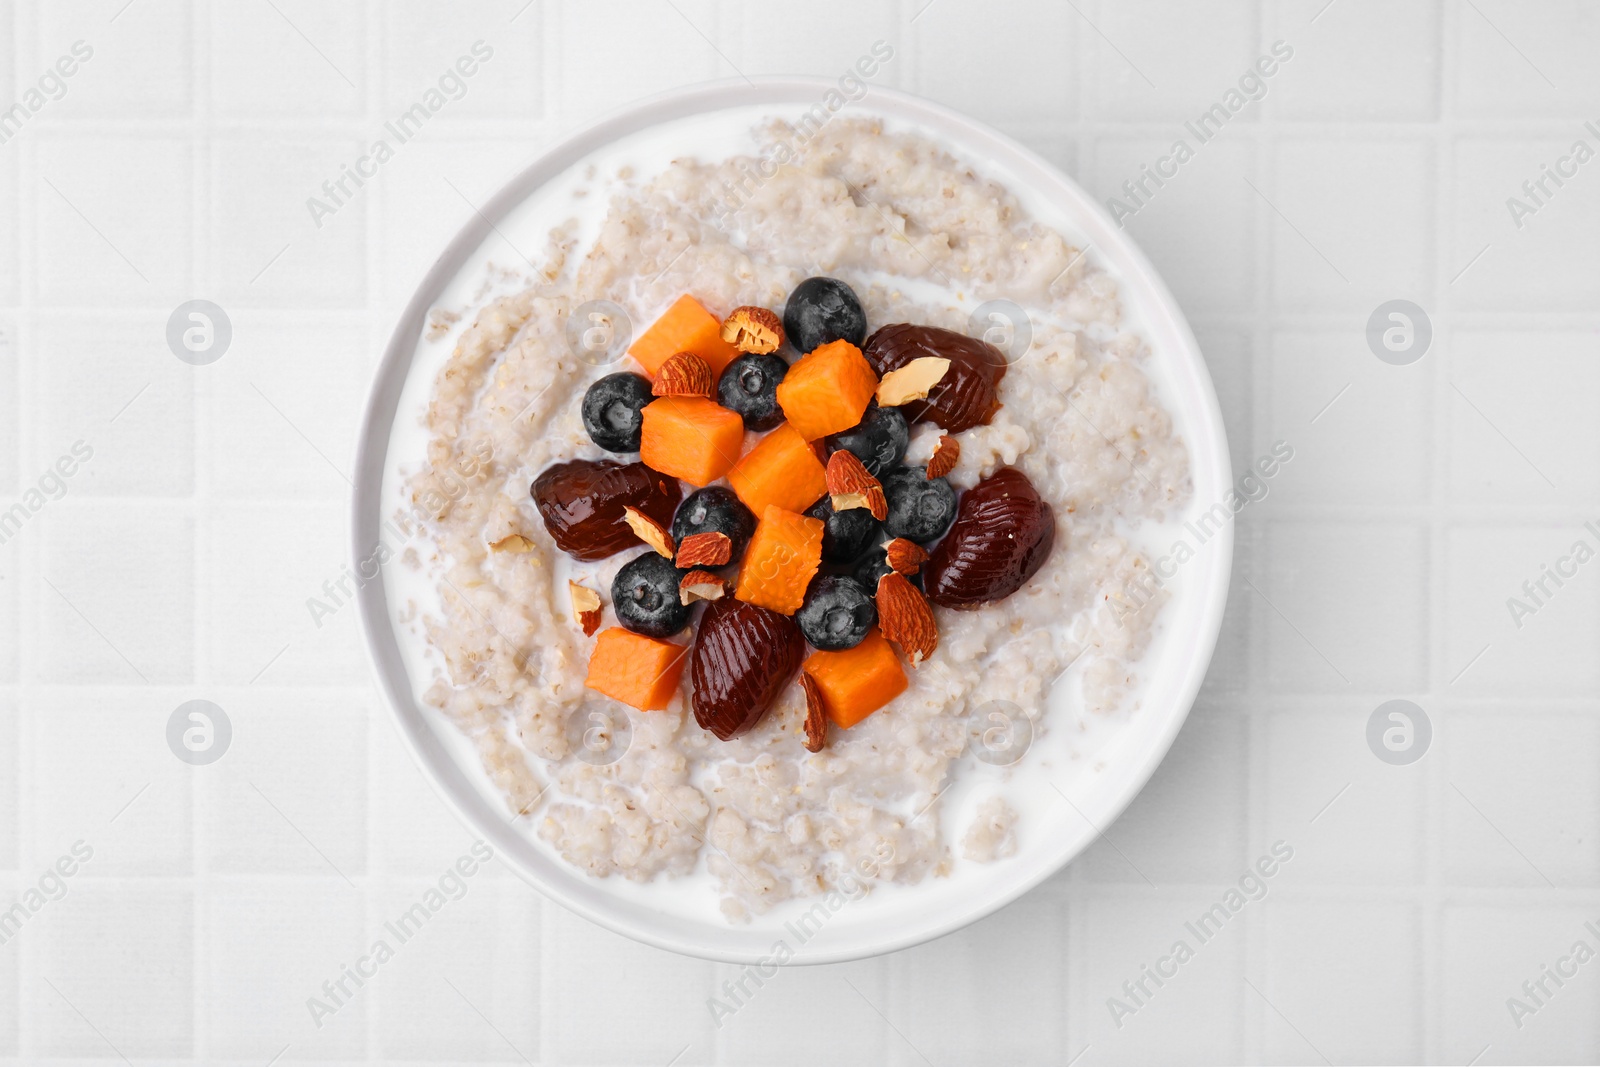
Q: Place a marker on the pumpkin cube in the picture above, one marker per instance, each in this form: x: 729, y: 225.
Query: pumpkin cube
x: 782, y: 470
x: 686, y: 326
x: 828, y: 390
x: 690, y: 437
x: 858, y: 681
x: 783, y: 556
x: 640, y: 671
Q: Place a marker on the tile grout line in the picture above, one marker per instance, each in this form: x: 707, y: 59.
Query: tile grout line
x: 25, y: 556
x: 1430, y: 947
x: 372, y: 214
x: 201, y: 278
x: 202, y: 285
x: 1263, y: 166
x: 27, y: 552
x: 1086, y: 154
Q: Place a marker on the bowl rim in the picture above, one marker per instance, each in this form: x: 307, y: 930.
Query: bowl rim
x: 1161, y: 315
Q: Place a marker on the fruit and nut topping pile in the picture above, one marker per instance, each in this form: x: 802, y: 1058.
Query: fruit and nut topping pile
x: 816, y: 549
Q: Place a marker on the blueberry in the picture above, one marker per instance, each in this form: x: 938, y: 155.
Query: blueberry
x: 879, y: 440
x: 645, y: 596
x: 837, y: 613
x: 749, y: 386
x: 846, y: 535
x: 611, y: 410
x: 821, y: 310
x: 875, y: 565
x: 715, y: 509
x: 920, y: 508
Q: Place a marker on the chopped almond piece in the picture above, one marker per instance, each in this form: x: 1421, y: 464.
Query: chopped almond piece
x: 710, y: 549
x: 585, y: 607
x: 851, y: 486
x: 906, y: 619
x: 912, y: 381
x: 512, y: 543
x: 685, y: 374
x: 816, y: 716
x: 944, y: 458
x: 904, y: 557
x: 753, y: 329
x: 701, y: 585
x: 649, y: 530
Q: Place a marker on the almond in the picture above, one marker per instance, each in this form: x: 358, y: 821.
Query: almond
x: 512, y: 543
x: 850, y: 485
x: 904, y: 557
x: 585, y: 607
x: 944, y: 458
x: 906, y: 619
x: 912, y: 381
x: 816, y: 718
x: 649, y: 530
x: 684, y: 374
x: 753, y: 329
x: 701, y: 585
x: 876, y: 503
x: 709, y: 549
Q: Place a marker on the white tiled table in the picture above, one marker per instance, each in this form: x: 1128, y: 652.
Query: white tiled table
x: 177, y: 564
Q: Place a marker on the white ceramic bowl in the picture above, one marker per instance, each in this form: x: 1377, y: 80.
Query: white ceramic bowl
x: 899, y: 917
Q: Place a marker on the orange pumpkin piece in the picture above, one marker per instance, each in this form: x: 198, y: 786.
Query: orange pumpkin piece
x: 690, y: 437
x: 686, y: 326
x: 858, y: 681
x: 827, y: 391
x: 784, y: 554
x: 640, y: 671
x: 782, y: 470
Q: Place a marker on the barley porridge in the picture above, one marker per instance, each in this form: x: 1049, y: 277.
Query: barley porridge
x: 837, y: 774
